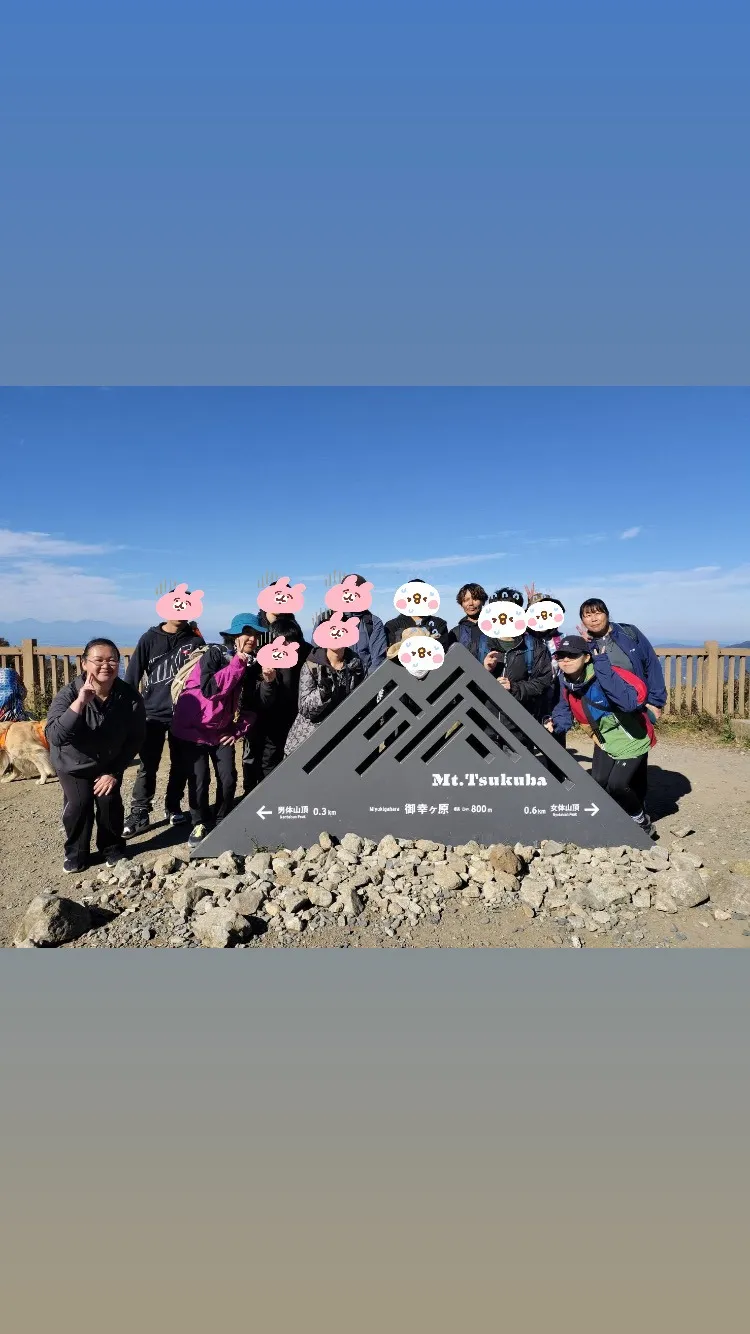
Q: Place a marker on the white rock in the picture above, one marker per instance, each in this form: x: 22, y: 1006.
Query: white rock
x: 219, y: 928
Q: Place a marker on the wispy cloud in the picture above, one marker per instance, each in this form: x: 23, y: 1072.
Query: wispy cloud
x: 629, y: 532
x: 703, y: 602
x: 43, y: 544
x: 431, y: 562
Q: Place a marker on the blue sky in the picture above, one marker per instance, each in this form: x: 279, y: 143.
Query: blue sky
x: 637, y: 495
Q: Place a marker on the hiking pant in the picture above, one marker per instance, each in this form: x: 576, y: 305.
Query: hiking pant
x: 145, y: 780
x: 198, y: 760
x: 625, y: 780
x: 261, y: 753
x: 80, y: 810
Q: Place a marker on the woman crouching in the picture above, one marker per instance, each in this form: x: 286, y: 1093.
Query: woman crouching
x: 95, y: 729
x: 610, y: 701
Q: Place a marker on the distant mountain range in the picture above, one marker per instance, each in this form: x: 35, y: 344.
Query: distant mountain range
x: 69, y: 633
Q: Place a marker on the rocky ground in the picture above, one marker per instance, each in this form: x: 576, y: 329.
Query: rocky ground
x: 692, y: 888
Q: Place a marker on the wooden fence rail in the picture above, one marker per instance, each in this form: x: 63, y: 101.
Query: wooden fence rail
x: 706, y: 679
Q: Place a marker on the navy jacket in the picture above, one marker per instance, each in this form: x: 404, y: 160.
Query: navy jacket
x: 644, y: 661
x: 372, y: 643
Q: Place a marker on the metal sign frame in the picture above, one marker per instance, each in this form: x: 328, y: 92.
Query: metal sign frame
x: 453, y: 757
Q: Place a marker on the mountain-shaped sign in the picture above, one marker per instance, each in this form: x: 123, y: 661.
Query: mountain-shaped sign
x: 452, y: 757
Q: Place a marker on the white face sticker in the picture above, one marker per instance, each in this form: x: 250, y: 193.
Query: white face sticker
x: 544, y: 615
x: 415, y: 599
x: 420, y: 654
x: 502, y: 620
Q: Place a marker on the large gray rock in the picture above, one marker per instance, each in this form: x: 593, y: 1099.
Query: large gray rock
x: 220, y: 928
x: 533, y: 892
x: 447, y: 879
x: 258, y: 863
x: 231, y: 862
x: 319, y: 896
x: 352, y: 843
x: 730, y: 893
x: 388, y: 846
x: 503, y: 858
x: 351, y: 903
x: 52, y: 920
x: 188, y: 896
x: 247, y: 902
x: 685, y: 888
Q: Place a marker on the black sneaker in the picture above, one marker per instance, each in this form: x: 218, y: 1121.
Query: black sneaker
x: 137, y: 823
x: 645, y: 824
x: 175, y: 818
x: 72, y: 867
x: 197, y: 835
x: 114, y: 856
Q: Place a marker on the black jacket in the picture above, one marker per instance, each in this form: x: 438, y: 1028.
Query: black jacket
x: 530, y: 687
x: 437, y: 627
x: 103, y: 739
x: 158, y: 656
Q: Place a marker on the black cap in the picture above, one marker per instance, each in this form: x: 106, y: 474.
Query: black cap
x: 572, y: 646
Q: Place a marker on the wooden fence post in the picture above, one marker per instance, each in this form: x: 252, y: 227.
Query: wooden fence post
x: 712, y: 696
x: 27, y: 664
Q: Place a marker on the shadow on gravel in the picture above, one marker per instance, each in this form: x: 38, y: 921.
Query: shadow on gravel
x: 665, y: 788
x: 158, y: 840
x: 100, y: 917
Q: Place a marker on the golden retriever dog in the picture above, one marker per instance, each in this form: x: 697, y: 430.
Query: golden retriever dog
x: 23, y: 749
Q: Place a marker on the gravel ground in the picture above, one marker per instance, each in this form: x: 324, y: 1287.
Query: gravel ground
x: 705, y: 787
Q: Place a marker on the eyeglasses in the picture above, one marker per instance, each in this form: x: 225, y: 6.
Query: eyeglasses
x: 103, y: 662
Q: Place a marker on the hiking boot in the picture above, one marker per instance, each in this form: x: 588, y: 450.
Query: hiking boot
x: 175, y: 818
x: 136, y: 823
x: 643, y: 821
x: 114, y: 856
x: 72, y: 867
x: 197, y: 835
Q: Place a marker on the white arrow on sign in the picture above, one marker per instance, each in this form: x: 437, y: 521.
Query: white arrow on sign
x: 593, y: 808
x: 263, y: 812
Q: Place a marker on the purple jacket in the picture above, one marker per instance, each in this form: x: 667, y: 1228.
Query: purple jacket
x: 206, y: 720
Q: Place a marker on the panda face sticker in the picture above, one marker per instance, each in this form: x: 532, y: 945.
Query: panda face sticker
x: 349, y: 595
x: 336, y: 632
x: 280, y: 598
x: 278, y: 653
x: 502, y: 620
x: 415, y: 599
x: 180, y: 604
x: 420, y: 654
x: 544, y: 615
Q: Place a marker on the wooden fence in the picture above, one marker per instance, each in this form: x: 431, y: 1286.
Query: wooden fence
x: 46, y: 668
x: 709, y: 679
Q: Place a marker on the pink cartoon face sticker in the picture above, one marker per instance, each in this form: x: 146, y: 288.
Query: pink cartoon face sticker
x: 349, y: 595
x: 420, y: 654
x: 180, y: 604
x: 502, y: 620
x: 545, y: 615
x: 416, y: 599
x: 278, y: 654
x: 279, y: 598
x: 336, y: 632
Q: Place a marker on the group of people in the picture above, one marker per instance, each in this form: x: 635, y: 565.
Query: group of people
x: 203, y: 699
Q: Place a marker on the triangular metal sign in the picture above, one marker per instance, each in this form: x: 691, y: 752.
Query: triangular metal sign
x: 451, y: 758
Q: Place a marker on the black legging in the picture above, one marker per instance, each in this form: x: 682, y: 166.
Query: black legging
x: 624, y: 780
x: 198, y: 759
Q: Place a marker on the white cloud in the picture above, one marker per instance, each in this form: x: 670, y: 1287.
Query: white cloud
x: 48, y: 591
x: 431, y: 562
x: 629, y: 532
x: 42, y: 544
x: 688, y: 606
